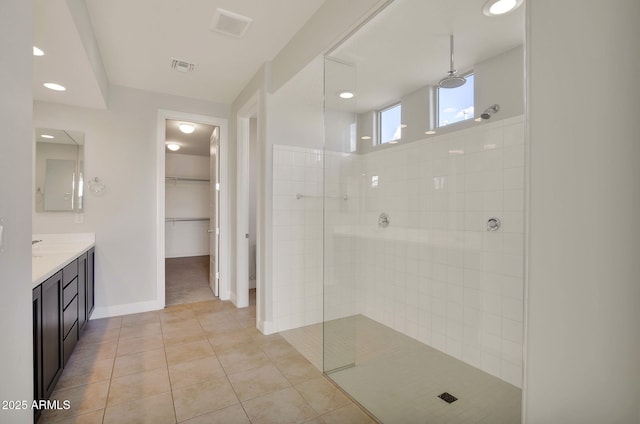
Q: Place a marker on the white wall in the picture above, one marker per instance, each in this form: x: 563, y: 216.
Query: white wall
x: 253, y: 204
x: 583, y: 345
x: 120, y: 149
x: 186, y: 199
x: 16, y: 135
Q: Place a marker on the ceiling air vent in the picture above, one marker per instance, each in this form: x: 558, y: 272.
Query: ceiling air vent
x: 181, y: 65
x: 230, y: 23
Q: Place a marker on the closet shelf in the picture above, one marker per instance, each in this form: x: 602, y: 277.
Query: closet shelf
x: 176, y: 179
x: 185, y: 219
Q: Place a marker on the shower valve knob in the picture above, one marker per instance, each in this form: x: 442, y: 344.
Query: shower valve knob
x: 493, y: 224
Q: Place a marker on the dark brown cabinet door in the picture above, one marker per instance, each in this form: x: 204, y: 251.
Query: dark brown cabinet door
x: 51, y: 328
x: 91, y: 260
x: 82, y: 291
x: 37, y: 342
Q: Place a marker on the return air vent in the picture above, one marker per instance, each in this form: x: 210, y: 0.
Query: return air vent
x: 230, y: 23
x: 181, y: 65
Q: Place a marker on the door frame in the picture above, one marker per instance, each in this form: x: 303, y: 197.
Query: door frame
x: 224, y: 259
x: 243, y: 117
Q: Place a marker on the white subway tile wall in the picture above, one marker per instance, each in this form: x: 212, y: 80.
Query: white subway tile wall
x: 435, y: 273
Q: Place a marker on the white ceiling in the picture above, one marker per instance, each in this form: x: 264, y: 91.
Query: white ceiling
x: 196, y: 144
x: 406, y: 46
x: 137, y: 38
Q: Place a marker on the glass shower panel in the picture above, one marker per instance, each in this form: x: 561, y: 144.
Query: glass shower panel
x: 340, y: 211
x: 423, y: 299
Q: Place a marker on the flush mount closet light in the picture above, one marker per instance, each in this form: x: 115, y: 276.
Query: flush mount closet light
x: 37, y: 51
x: 365, y: 137
x: 187, y: 128
x: 54, y: 86
x: 174, y: 147
x: 345, y: 94
x: 430, y: 132
x: 46, y: 136
x: 500, y: 7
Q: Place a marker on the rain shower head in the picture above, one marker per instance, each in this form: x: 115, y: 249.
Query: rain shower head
x: 490, y: 111
x: 452, y: 80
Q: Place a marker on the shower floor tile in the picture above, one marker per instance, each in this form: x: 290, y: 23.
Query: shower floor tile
x: 398, y: 379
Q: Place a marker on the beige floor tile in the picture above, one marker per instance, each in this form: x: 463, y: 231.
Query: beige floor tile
x: 139, y: 362
x: 195, y: 371
x: 157, y: 409
x: 181, y: 338
x: 93, y: 351
x: 127, y: 346
x: 258, y: 382
x: 81, y: 372
x: 284, y: 406
x: 280, y: 350
x: 242, y: 358
x: 202, y: 398
x: 322, y: 395
x: 349, y: 414
x: 99, y: 335
x: 82, y: 399
x: 134, y: 320
x: 297, y: 369
x: 146, y: 329
x: 188, y: 351
x: 104, y: 323
x: 225, y: 341
x: 94, y: 417
x: 230, y: 415
x: 137, y: 386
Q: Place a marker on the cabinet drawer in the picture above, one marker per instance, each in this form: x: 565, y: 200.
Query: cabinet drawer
x: 69, y: 272
x: 69, y: 292
x: 70, y: 342
x: 70, y: 316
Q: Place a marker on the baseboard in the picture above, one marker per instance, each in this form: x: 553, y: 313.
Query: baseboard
x: 125, y: 309
x: 266, y: 327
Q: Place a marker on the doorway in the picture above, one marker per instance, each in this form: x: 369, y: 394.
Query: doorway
x: 192, y: 207
x: 248, y: 228
x: 190, y: 211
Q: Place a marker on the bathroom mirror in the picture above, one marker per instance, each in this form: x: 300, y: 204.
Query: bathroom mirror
x: 59, y: 170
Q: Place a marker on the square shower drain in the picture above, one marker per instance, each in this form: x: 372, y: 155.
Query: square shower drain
x: 448, y: 397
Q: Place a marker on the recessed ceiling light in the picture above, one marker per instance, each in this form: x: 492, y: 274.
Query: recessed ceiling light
x: 46, y: 136
x: 54, y: 86
x: 365, y: 137
x: 37, y: 51
x: 174, y: 147
x: 345, y: 94
x: 500, y: 7
x: 430, y: 132
x: 187, y: 128
x: 478, y: 119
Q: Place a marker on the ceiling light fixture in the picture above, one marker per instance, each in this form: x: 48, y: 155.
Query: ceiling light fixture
x: 53, y: 86
x: 346, y: 94
x: 430, y: 132
x: 500, y: 7
x: 174, y: 147
x: 187, y: 128
x: 37, y: 51
x: 365, y: 137
x: 46, y: 136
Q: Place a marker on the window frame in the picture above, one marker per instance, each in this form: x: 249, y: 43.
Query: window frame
x: 378, y: 123
x: 437, y: 102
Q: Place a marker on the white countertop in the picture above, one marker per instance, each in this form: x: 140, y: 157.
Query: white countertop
x: 55, y: 251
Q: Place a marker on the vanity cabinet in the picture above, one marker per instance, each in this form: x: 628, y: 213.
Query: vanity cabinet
x: 62, y: 306
x: 48, y: 329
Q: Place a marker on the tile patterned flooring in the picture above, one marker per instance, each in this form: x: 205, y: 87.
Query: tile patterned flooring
x: 201, y: 362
